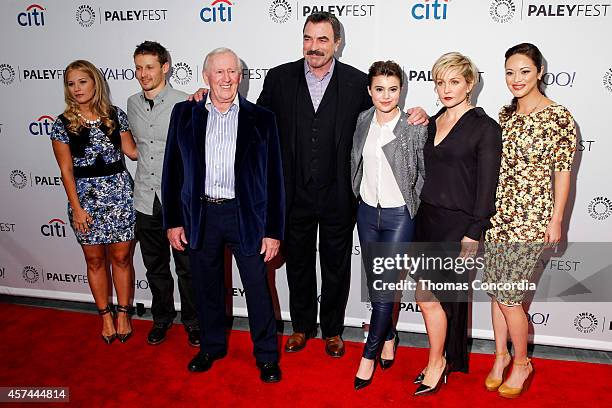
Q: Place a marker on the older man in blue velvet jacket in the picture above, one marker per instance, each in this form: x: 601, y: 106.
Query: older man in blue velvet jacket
x: 222, y: 184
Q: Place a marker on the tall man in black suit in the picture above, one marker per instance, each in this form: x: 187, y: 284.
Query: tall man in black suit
x: 317, y: 100
x: 222, y: 185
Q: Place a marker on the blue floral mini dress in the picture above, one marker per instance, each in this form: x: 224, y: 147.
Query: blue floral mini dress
x: 108, y: 199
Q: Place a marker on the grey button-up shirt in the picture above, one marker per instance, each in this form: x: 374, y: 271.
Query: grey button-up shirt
x: 150, y: 129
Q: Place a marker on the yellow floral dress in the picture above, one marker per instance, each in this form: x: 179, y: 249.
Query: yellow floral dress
x: 533, y: 146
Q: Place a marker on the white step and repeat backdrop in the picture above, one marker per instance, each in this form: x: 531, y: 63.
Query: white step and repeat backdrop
x: 39, y: 255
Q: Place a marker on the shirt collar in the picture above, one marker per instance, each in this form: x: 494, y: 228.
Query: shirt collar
x: 159, y: 97
x: 209, y: 105
x: 328, y: 73
x: 391, y: 124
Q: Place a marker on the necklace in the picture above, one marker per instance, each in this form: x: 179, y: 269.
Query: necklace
x: 90, y: 123
x: 534, y: 108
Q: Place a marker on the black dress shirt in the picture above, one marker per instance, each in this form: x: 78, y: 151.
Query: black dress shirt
x: 463, y: 169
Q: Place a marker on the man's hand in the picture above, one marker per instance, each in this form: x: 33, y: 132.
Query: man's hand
x: 198, y: 95
x: 418, y: 116
x: 177, y: 238
x: 269, y: 246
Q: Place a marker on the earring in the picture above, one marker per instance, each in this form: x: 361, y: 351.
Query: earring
x: 467, y: 98
x: 438, y: 102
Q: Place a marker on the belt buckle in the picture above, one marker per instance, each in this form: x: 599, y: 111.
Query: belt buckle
x: 212, y: 200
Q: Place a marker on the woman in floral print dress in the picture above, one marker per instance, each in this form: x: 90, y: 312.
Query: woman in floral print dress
x: 539, y: 138
x: 89, y: 139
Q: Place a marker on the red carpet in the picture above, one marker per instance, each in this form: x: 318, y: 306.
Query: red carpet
x: 46, y: 347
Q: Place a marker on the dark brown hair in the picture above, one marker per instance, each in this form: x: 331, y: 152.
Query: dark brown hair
x: 534, y: 54
x: 325, y: 17
x: 386, y: 68
x: 153, y: 48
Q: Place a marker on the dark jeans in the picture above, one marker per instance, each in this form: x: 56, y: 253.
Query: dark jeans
x: 220, y: 229
x: 155, y: 250
x: 376, y: 224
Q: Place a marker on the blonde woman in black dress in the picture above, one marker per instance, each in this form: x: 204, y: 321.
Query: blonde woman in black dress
x: 462, y: 157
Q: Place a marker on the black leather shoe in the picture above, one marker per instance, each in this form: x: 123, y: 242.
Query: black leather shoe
x: 203, y: 362
x: 386, y: 364
x: 423, y: 389
x: 419, y: 378
x: 157, y: 335
x: 360, y: 383
x: 269, y: 372
x: 127, y: 309
x: 193, y: 335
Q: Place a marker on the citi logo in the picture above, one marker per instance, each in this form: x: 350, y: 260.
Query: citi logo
x: 33, y: 16
x: 430, y: 10
x: 42, y: 126
x: 54, y: 228
x: 218, y: 11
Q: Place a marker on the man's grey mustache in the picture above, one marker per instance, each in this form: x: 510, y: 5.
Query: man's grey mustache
x: 315, y: 52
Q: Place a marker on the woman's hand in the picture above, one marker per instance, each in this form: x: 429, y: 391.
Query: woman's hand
x: 552, y: 236
x: 81, y: 220
x: 469, y: 248
x: 128, y: 145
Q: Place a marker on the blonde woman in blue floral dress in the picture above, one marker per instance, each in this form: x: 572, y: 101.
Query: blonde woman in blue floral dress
x: 89, y: 140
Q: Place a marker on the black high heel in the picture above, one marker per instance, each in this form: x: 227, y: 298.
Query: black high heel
x: 386, y: 364
x: 102, y: 312
x: 123, y: 337
x: 419, y: 378
x: 423, y: 389
x: 361, y: 383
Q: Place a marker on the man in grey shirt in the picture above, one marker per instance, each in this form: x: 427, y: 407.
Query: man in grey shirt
x: 149, y: 116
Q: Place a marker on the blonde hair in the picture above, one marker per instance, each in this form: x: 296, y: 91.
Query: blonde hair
x: 455, y: 61
x: 100, y: 104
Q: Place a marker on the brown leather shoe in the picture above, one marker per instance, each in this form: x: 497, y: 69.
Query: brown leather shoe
x: 297, y: 341
x: 334, y: 346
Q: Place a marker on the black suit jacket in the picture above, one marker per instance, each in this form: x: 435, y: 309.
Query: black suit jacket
x: 280, y: 93
x: 259, y: 189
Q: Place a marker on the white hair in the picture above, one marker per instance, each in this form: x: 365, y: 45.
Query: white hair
x: 218, y: 51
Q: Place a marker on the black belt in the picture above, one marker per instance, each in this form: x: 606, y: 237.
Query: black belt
x: 97, y: 170
x: 211, y: 200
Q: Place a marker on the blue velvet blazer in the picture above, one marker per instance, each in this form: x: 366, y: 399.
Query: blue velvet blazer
x: 259, y: 188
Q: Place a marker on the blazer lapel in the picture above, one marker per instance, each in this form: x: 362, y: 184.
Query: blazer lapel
x: 344, y: 92
x: 246, y: 132
x: 361, y: 132
x: 199, y: 116
x: 292, y: 98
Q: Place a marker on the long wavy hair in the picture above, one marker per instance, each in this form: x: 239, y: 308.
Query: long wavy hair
x: 100, y: 105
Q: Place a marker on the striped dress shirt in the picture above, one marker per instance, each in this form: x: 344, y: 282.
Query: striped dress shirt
x: 220, y: 148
